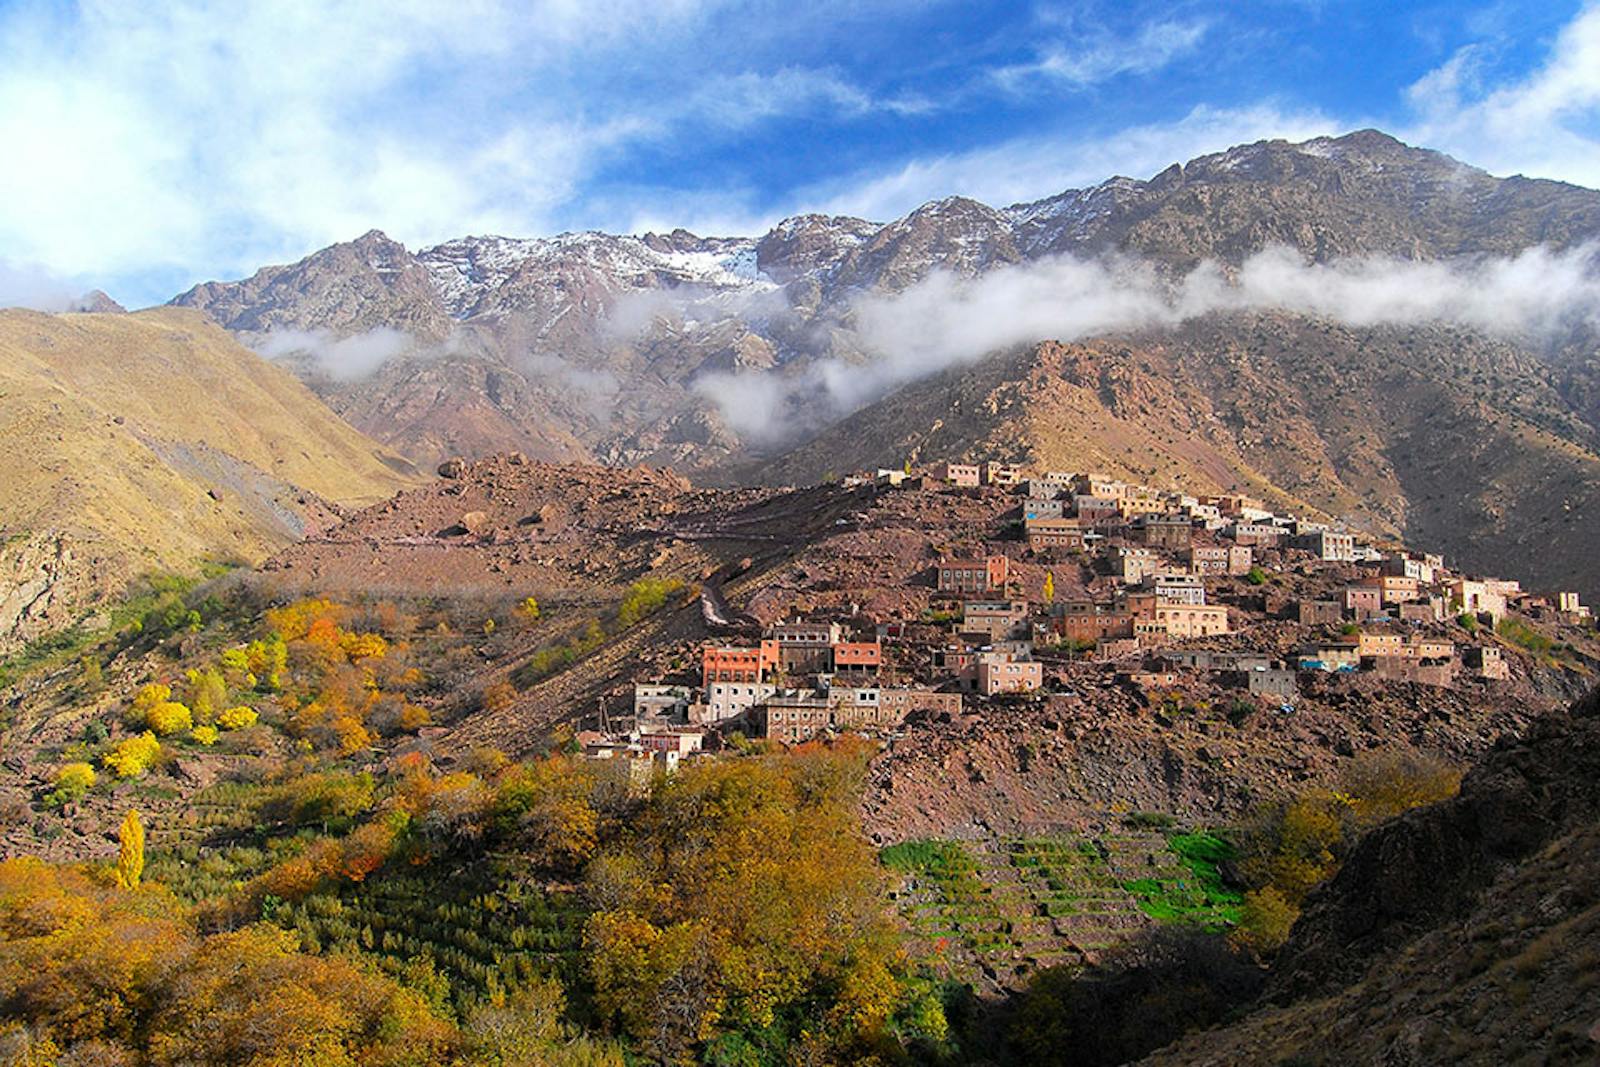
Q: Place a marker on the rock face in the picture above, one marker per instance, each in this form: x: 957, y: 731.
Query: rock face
x: 1432, y: 865
x: 1464, y: 932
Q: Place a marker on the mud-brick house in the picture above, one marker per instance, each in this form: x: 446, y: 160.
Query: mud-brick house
x: 1329, y: 656
x: 962, y: 474
x: 1362, y: 602
x: 1001, y: 474
x: 857, y: 657
x: 1571, y: 610
x: 1191, y: 620
x: 1084, y: 621
x: 1006, y: 672
x: 1047, y: 534
x: 1097, y: 510
x: 973, y: 577
x: 1177, y: 588
x: 1220, y: 559
x: 996, y: 620
x: 1392, y: 588
x: 1485, y: 661
x: 726, y: 663
x: 1329, y: 546
x: 1172, y: 533
x: 1477, y: 597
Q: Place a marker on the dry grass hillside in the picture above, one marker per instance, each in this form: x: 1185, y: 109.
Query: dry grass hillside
x: 134, y: 443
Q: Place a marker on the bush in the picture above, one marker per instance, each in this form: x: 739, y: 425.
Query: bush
x: 133, y: 757
x: 204, y: 735
x: 168, y: 717
x: 72, y: 781
x: 238, y: 718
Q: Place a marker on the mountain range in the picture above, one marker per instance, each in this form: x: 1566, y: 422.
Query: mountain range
x: 774, y: 357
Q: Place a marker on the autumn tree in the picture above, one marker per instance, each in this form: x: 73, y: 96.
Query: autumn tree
x: 130, y: 850
x: 1049, y: 587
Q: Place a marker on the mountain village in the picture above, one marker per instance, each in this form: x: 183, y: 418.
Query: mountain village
x: 1145, y: 586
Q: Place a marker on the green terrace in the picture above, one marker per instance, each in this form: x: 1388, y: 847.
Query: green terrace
x: 994, y: 911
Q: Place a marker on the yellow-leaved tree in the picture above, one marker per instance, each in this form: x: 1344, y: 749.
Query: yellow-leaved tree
x: 130, y: 853
x: 1049, y: 587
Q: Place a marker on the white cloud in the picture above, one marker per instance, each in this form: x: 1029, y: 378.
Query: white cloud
x: 29, y: 285
x: 340, y: 358
x: 1543, y: 125
x: 1092, y: 58
x: 1028, y: 169
x: 945, y: 320
x: 195, y: 137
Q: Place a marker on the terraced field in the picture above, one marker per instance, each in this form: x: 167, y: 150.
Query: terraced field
x: 992, y: 912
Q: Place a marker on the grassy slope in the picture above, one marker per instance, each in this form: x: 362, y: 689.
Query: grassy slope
x: 88, y: 501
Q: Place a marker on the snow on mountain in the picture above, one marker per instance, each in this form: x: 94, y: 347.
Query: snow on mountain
x: 467, y: 269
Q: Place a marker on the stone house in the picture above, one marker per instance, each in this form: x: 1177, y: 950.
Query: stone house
x: 996, y: 620
x: 1327, y: 545
x: 1046, y: 534
x: 1191, y: 620
x: 1036, y: 508
x: 1253, y: 533
x: 969, y: 577
x: 1275, y: 682
x: 1170, y: 532
x: 1002, y: 474
x: 1004, y: 672
x: 1318, y: 612
x: 1486, y: 661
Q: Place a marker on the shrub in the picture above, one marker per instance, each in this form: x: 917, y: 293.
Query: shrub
x: 238, y: 718
x: 168, y: 717
x: 134, y: 756
x: 205, y: 735
x: 1256, y: 576
x: 72, y: 781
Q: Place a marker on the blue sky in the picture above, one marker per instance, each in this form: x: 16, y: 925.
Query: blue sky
x: 156, y: 145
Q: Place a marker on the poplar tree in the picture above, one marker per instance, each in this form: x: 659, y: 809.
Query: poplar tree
x: 130, y: 856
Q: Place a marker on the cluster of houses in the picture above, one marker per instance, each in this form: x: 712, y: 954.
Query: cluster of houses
x: 1159, y: 548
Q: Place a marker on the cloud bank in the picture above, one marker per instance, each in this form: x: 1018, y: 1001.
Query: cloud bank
x: 340, y: 358
x: 946, y: 321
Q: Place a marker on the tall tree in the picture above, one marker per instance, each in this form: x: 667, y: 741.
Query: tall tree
x: 130, y: 856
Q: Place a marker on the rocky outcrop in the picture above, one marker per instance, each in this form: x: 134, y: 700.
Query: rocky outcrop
x: 1429, y: 867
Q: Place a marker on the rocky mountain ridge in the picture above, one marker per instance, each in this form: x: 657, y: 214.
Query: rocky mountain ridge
x: 705, y: 353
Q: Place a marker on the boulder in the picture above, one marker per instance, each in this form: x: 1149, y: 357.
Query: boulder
x: 452, y: 468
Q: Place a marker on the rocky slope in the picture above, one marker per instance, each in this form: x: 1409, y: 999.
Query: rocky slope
x: 1433, y: 434
x: 132, y: 443
x: 1468, y: 932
